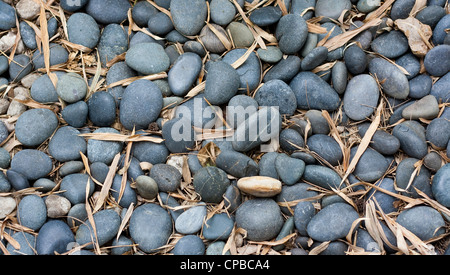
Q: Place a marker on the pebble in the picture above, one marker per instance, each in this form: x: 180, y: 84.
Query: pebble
x: 401, y: 9
x: 439, y: 31
x: 113, y: 42
x: 57, y: 206
x: 189, y: 245
x: 436, y: 61
x: 217, y: 248
x: 290, y: 170
x: 117, y: 72
x: 385, y: 201
x: 326, y: 147
x: 420, y: 86
x: 146, y: 187
x: 322, y: 176
x: 272, y: 54
x: 371, y: 165
x: 26, y: 242
x: 236, y: 115
x: 332, y: 222
x: 312, y: 92
x: 101, y: 150
x: 77, y: 215
x: 260, y: 217
x: 314, y: 58
x: 304, y: 211
x: 382, y: 141
x: 147, y: 58
x: 211, y: 183
x: 7, y: 206
x: 319, y: 124
x: 361, y: 97
x: 188, y: 17
x: 265, y: 16
x: 291, y: 140
x: 356, y: 60
x: 142, y: 12
x: 71, y: 167
x: 71, y: 88
x: 222, y: 12
x: 184, y: 73
x: 102, y: 109
x: 237, y: 164
x: 111, y: 11
x: 222, y: 83
x: 166, y: 176
x: 17, y: 180
x: 291, y: 33
x: 147, y: 151
x: 58, y: 55
x: 267, y: 165
x: 211, y: 41
x: 440, y: 184
x: 396, y: 84
x: 43, y: 90
x: 331, y: 9
x: 284, y: 70
x: 66, y: 145
x: 421, y: 180
x: 23, y: 160
x: 433, y: 161
x: 74, y: 186
x: 392, y: 44
x: 241, y: 34
x: 178, y: 142
x: 160, y: 24
x: 32, y: 212
x: 107, y: 224
x: 191, y: 220
x: 76, y: 114
x: 7, y: 16
x: 54, y: 237
x: 427, y: 108
x: 128, y: 196
x: 410, y: 63
x: 423, y: 221
x: 294, y: 192
x: 431, y: 15
x: 437, y: 133
x: 411, y: 135
x: 260, y: 186
x: 69, y: 5
x: 249, y: 72
x: 276, y: 93
x: 122, y: 246
x: 82, y: 29
x: 21, y: 67
x: 150, y: 227
x: 439, y: 89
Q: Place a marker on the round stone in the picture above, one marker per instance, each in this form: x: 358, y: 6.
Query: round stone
x: 35, y: 126
x: 191, y: 220
x: 66, y: 144
x: 107, y: 223
x: 259, y: 186
x: 222, y: 83
x: 441, y: 181
x: 74, y: 187
x: 71, y: 88
x: 326, y: 147
x: 188, y: 16
x: 32, y: 212
x: 278, y: 94
x: 291, y: 33
x: 437, y: 60
x: 184, y: 73
x: 24, y: 159
x: 361, y: 97
x: 423, y: 221
x: 237, y: 164
x: 166, y: 176
x: 109, y: 11
x: 189, y: 245
x: 211, y: 183
x: 102, y: 109
x: 103, y: 150
x: 146, y: 187
x: 82, y: 29
x: 147, y: 58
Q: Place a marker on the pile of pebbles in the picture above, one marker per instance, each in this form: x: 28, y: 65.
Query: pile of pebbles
x: 93, y: 94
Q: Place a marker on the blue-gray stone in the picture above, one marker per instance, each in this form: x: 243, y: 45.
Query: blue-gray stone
x: 440, y: 89
x: 129, y: 194
x: 184, y: 73
x: 222, y: 83
x: 420, y: 86
x: 410, y: 63
x: 58, y: 55
x: 7, y: 16
x: 189, y: 245
x: 198, y: 111
x: 142, y: 12
x: 299, y: 7
x: 384, y: 200
x: 291, y: 33
x: 5, y: 185
x: 147, y: 58
x: 23, y: 160
x: 401, y: 9
x: 66, y: 145
x: 122, y: 246
x: 194, y: 47
x: 216, y: 248
x: 322, y: 176
x: 102, y: 109
x: 4, y: 64
x: 71, y: 167
x: 290, y: 170
x: 113, y: 42
x: 166, y: 176
x: 334, y: 30
x: 367, y: 6
x: 237, y: 164
x: 265, y: 16
x: 310, y: 44
x: 332, y: 222
x: 326, y: 147
x: 102, y: 150
x: 272, y: 54
x: 74, y: 186
x: 355, y: 60
x: 108, y: 11
x: 304, y: 211
x: 188, y: 16
x: 423, y: 221
x: 284, y: 70
x: 291, y: 140
x: 171, y: 202
x: 160, y: 24
x: 76, y: 114
x: 382, y: 141
x: 107, y: 223
x: 72, y: 6
x: 440, y: 185
x: 391, y: 45
x: 150, y: 227
x: 361, y: 97
x: 371, y: 165
x: 153, y: 153
x: 294, y: 192
x: 32, y: 212
x: 437, y: 60
x: 438, y: 132
x: 178, y: 135
x: 77, y: 215
x: 277, y: 93
x: 4, y: 133
x: 117, y: 72
x: 26, y: 241
x: 54, y: 237
x: 395, y: 83
x: 211, y: 183
x: 411, y: 135
x: 141, y: 37
x: 314, y: 58
x: 20, y: 67
x: 259, y: 128
x: 365, y: 241
x: 43, y: 90
x: 175, y: 37
x: 261, y: 218
x: 307, y: 158
x: 71, y: 88
x: 331, y: 8
x: 334, y: 248
x: 134, y: 168
x: 431, y: 15
x: 17, y: 180
x: 421, y: 180
x: 439, y: 32
x: 249, y: 72
x: 140, y: 105
x: 319, y: 124
x: 191, y: 220
x: 28, y: 35
x: 218, y: 227
x: 267, y: 165
x: 239, y: 109
x: 288, y: 228
x: 312, y: 92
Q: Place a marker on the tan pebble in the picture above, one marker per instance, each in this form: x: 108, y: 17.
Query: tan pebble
x: 259, y: 186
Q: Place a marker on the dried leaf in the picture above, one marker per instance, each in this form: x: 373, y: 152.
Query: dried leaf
x: 418, y: 35
x: 208, y: 154
x: 120, y: 137
x: 104, y: 192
